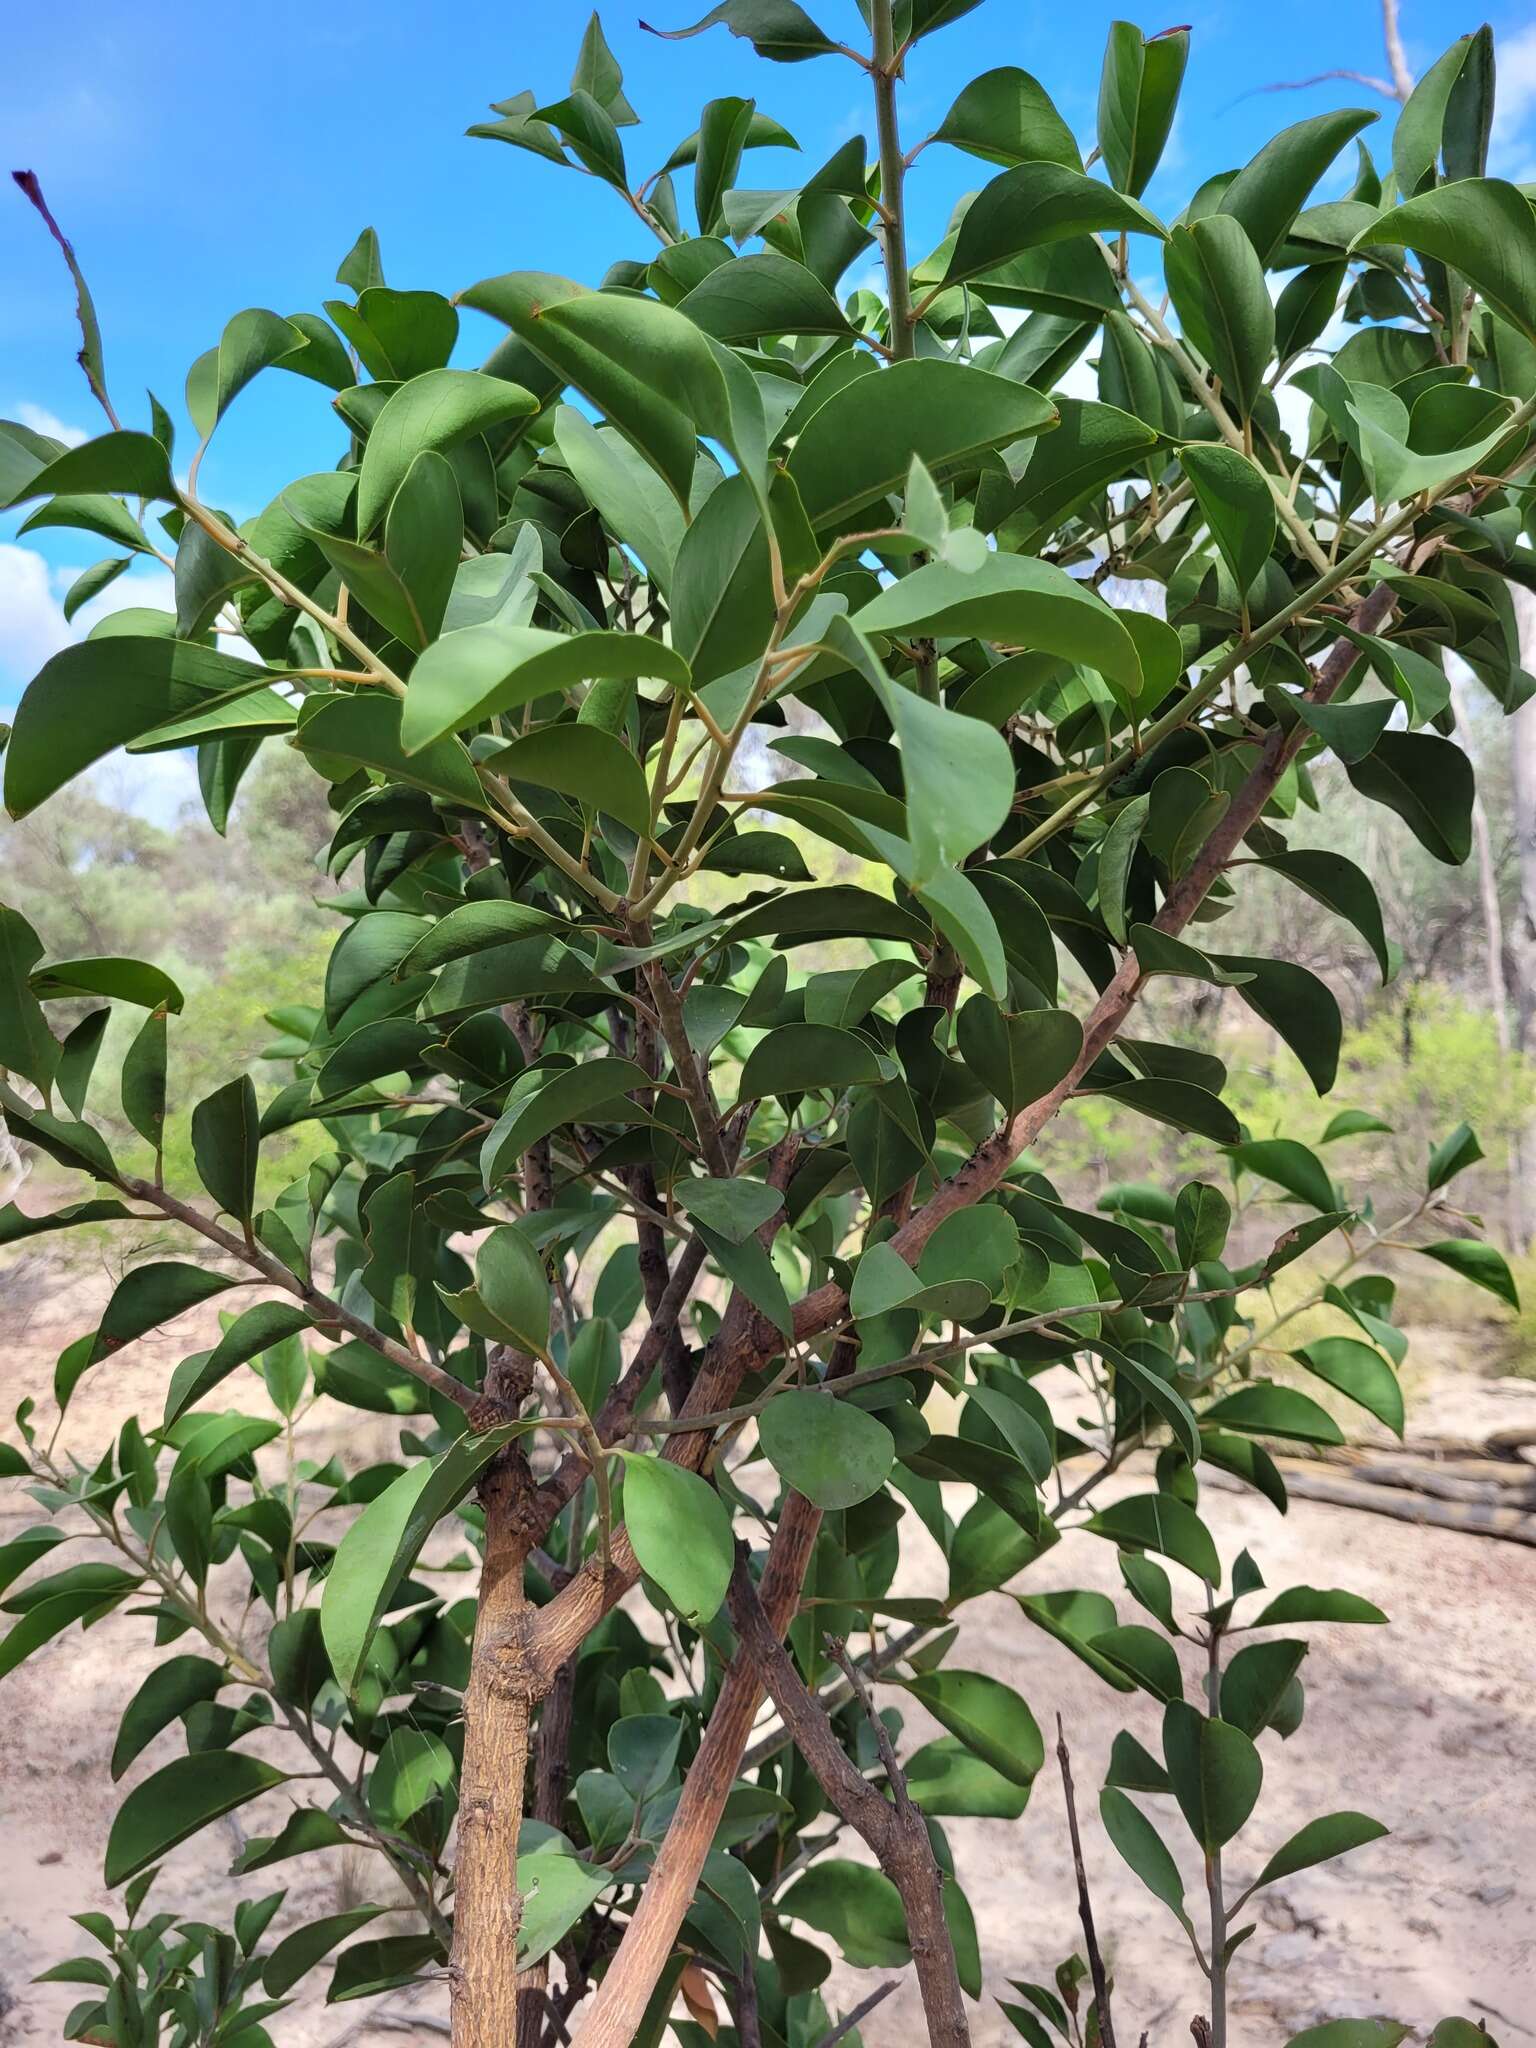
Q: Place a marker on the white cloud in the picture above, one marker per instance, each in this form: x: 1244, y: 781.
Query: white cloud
x: 33, y: 628
x: 42, y: 421
x: 1512, y: 154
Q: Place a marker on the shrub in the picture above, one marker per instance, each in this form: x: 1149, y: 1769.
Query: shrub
x: 655, y: 1243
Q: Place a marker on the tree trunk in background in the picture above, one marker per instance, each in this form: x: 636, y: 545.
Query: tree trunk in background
x: 1522, y: 742
x: 1521, y: 945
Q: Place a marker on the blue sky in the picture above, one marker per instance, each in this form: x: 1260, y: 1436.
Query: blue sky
x: 204, y: 160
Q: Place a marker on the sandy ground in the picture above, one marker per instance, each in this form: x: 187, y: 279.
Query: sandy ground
x: 1430, y: 1725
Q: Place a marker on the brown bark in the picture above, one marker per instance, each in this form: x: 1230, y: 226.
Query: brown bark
x: 894, y: 1828
x: 505, y: 1682
x: 648, y: 1941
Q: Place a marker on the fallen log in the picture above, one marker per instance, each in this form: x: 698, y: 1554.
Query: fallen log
x: 1306, y: 1481
x: 1444, y: 1482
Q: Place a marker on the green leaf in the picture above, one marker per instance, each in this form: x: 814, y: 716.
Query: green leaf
x: 142, y: 1081
x: 1217, y: 286
x: 413, y: 1767
x: 152, y: 1295
x: 1429, y: 783
x: 514, y: 1287
x: 1156, y: 1521
x: 473, y: 674
x: 1477, y: 1262
x: 179, y: 1800
x: 424, y: 537
x: 380, y: 1547
x: 1216, y: 1773
x: 1201, y: 1220
x: 1254, y: 1685
x: 251, y: 342
x: 1321, y: 1840
x: 1453, y: 1155
x: 858, y: 1907
x: 1237, y: 505
x: 1420, y: 130
x: 166, y: 1694
x: 1359, y: 1373
x: 571, y: 1092
x: 1331, y: 879
x: 1311, y: 1603
x: 1351, y: 2034
x: 369, y: 1967
x: 226, y: 1140
x: 1007, y: 117
x: 799, y: 1057
x: 1017, y: 1058
x: 1290, y: 1166
x: 651, y: 373
x: 681, y: 1533
x: 733, y: 1209
x: 780, y: 29
x: 433, y: 411
x: 100, y: 694
x: 1483, y: 229
x: 989, y: 1718
x: 1268, y: 193
x: 1022, y: 602
x: 1145, y: 1656
x: 1263, y: 1409
x: 27, y: 1046
x: 1144, y: 1849
x: 77, y: 1059
x: 298, y: 1953
x: 830, y: 1451
x: 260, y: 1327
x: 1138, y: 96
x: 132, y: 465
x: 1034, y: 205
x: 475, y: 928
x: 1298, y: 1006
x: 584, y: 762
x: 15, y: 1226
x: 859, y: 445
x: 763, y: 294
x: 632, y: 501
x: 124, y: 981
x: 366, y: 730
x: 556, y: 1890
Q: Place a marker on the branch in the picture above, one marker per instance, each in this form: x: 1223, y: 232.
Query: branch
x: 323, y: 1308
x: 668, y: 1892
x: 1084, y: 1903
x: 897, y: 1833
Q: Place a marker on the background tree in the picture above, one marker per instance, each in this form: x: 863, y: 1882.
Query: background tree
x: 696, y: 1276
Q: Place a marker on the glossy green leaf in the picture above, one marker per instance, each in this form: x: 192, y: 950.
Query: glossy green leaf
x: 100, y: 694
x: 1033, y: 205
x: 381, y: 1545
x: 681, y: 1533
x: 27, y: 1046
x: 1268, y: 193
x: 1358, y: 1372
x: 1019, y: 1059
x: 859, y: 445
x: 1143, y: 1848
x: 1007, y: 117
x: 179, y: 1800
x: 1025, y: 603
x: 366, y: 730
x: 989, y: 1717
x: 1217, y: 286
x: 472, y: 674
x: 1480, y: 1263
x: 1156, y: 1521
x: 1138, y: 97
x: 1216, y: 1773
x: 829, y: 1450
x: 858, y: 1908
x: 433, y: 411
x: 583, y: 1091
x: 1237, y: 505
x: 1484, y: 229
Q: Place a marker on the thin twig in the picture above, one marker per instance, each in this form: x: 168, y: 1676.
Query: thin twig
x: 1084, y: 1902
